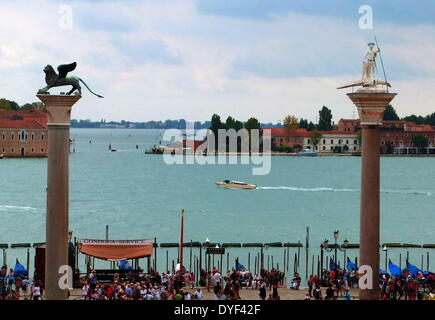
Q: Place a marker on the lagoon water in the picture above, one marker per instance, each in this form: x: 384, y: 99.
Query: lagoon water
x: 140, y: 196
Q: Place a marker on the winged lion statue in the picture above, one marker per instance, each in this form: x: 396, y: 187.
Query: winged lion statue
x: 60, y: 79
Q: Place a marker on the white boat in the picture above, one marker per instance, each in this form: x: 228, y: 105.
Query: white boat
x: 307, y: 152
x: 235, y: 185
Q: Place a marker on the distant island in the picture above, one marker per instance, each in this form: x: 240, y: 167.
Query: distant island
x: 167, y: 124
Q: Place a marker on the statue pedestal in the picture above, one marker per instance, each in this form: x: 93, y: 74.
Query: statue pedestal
x: 371, y: 104
x: 56, y: 252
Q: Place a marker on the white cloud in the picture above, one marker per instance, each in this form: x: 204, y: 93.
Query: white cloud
x: 241, y: 67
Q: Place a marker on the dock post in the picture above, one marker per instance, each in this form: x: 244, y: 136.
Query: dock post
x: 307, y: 245
x: 155, y: 254
x: 262, y: 258
x: 299, y: 251
x: 255, y: 265
x: 284, y: 253
x: 107, y: 232
x: 200, y: 256
x: 28, y: 261
x: 296, y: 263
x: 228, y: 260
x: 312, y: 265
x: 400, y: 261
x: 422, y: 262
x: 59, y: 109
x: 427, y: 262
x: 190, y: 258
x: 249, y: 261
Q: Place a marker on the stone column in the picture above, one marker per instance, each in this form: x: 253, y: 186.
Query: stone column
x: 371, y: 104
x: 56, y: 252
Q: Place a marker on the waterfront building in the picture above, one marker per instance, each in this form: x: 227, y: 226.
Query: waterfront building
x: 397, y: 135
x: 281, y: 137
x: 335, y: 141
x: 23, y: 133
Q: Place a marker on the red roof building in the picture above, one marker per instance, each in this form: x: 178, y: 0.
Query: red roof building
x: 281, y: 136
x: 23, y: 133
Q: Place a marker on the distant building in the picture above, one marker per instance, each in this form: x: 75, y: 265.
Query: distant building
x: 396, y: 135
x: 281, y: 137
x: 23, y: 133
x: 335, y: 141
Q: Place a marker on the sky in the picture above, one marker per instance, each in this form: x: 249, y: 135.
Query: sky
x: 189, y: 59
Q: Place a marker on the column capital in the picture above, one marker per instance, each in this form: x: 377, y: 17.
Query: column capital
x: 59, y: 108
x: 371, y: 106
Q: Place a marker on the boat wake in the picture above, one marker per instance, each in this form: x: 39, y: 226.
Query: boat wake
x: 8, y: 208
x: 328, y: 189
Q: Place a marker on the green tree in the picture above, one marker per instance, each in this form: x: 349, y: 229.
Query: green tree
x: 315, y: 138
x: 215, y: 125
x: 390, y: 113
x: 252, y: 123
x: 290, y: 124
x: 311, y: 126
x: 8, y: 104
x: 232, y: 123
x: 419, y: 141
x: 303, y: 123
x: 325, y: 119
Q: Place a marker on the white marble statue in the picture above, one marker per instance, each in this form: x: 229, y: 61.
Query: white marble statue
x: 368, y: 79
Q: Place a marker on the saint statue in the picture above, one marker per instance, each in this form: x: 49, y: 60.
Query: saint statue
x: 368, y: 78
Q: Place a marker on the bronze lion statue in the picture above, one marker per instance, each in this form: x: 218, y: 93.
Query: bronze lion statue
x: 58, y: 80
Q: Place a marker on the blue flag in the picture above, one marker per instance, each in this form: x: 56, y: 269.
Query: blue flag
x: 20, y: 271
x: 333, y: 266
x: 382, y: 272
x: 395, y: 270
x: 351, y: 265
x: 124, y: 265
x: 412, y: 269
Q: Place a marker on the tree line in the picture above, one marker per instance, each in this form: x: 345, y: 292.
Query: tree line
x: 6, y: 104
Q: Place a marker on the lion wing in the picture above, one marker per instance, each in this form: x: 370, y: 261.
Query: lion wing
x: 63, y: 69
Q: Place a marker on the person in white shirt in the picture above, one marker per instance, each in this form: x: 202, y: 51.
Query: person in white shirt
x: 217, y: 278
x: 143, y: 292
x: 36, y: 292
x: 198, y: 294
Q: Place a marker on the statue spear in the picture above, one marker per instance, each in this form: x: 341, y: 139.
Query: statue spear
x: 382, y: 63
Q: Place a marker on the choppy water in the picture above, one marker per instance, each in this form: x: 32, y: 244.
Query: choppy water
x: 140, y: 196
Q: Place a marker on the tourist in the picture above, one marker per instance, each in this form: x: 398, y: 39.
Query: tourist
x: 36, y: 291
x: 346, y: 294
x: 329, y: 293
x: 198, y: 294
x: 85, y: 290
x: 307, y: 296
x: 262, y: 290
x: 310, y: 283
x: 317, y: 293
x: 93, y: 280
x: 296, y: 282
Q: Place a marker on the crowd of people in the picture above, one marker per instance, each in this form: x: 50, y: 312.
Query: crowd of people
x: 333, y: 285
x: 179, y: 286
x: 404, y: 286
x: 15, y: 287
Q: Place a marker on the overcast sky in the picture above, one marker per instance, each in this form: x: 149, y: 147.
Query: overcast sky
x: 169, y: 59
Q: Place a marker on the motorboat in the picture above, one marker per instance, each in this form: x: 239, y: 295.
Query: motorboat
x: 235, y: 185
x: 307, y: 152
